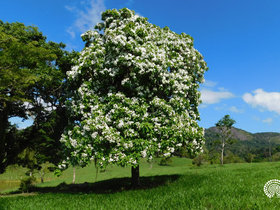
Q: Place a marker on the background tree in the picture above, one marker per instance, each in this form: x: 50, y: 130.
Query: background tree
x: 250, y: 157
x: 48, y: 126
x: 32, y: 71
x: 137, y: 94
x: 224, y: 125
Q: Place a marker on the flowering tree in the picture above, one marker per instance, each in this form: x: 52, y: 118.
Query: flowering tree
x: 137, y: 94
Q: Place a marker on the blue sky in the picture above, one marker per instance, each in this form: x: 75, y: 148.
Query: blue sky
x: 238, y: 39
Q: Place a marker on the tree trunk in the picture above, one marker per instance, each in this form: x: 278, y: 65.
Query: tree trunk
x: 135, y: 181
x: 4, y: 152
x: 222, y: 154
x: 74, y: 175
x: 42, y: 173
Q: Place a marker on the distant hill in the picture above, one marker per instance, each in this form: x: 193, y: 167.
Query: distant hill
x: 242, y: 135
x: 246, y: 142
x: 237, y: 133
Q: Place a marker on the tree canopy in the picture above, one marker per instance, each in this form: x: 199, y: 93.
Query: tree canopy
x: 31, y: 80
x: 137, y: 93
x: 226, y: 122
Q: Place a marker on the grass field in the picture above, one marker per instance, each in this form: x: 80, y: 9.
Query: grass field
x: 178, y: 186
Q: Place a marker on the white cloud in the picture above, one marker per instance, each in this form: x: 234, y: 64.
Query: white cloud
x: 212, y: 97
x: 70, y: 8
x: 87, y: 17
x: 235, y: 109
x: 268, y: 120
x: 209, y: 83
x: 265, y: 100
x: 71, y: 32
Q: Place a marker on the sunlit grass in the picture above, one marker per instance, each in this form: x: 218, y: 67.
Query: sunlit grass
x: 178, y: 186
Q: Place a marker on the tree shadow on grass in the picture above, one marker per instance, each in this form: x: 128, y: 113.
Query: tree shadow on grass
x: 116, y: 185
x: 110, y: 185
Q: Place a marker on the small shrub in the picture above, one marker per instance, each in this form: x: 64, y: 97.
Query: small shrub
x: 214, y: 158
x: 198, y: 160
x: 250, y: 157
x: 27, y: 183
x: 232, y: 158
x: 183, y: 152
x: 102, y: 170
x: 276, y: 156
x: 165, y: 161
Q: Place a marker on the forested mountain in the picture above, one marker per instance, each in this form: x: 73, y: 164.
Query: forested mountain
x: 261, y: 145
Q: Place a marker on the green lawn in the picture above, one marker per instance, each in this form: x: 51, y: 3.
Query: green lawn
x: 178, y: 186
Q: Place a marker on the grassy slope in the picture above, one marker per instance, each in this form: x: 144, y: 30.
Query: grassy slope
x: 179, y: 186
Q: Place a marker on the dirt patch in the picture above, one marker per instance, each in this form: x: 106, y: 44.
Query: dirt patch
x: 18, y: 194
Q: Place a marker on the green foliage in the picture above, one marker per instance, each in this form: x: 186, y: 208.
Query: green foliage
x: 250, y: 157
x: 27, y: 183
x: 26, y: 62
x: 214, y: 158
x: 199, y: 159
x: 232, y: 158
x: 226, y: 121
x: 27, y: 158
x: 276, y: 156
x: 165, y: 161
x: 224, y: 126
x: 32, y: 71
x: 10, y: 144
